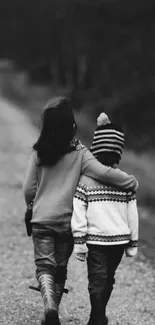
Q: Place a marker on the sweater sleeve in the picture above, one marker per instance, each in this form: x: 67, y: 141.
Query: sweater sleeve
x: 79, y: 219
x: 93, y: 168
x: 31, y: 180
x: 133, y: 220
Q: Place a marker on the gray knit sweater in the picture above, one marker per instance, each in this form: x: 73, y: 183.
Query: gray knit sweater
x: 53, y: 188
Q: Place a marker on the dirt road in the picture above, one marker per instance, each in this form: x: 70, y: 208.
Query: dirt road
x: 132, y: 302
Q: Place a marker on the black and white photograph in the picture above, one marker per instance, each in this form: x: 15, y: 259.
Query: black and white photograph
x: 77, y: 162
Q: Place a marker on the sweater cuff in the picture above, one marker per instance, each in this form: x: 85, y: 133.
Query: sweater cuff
x: 133, y: 243
x: 80, y: 240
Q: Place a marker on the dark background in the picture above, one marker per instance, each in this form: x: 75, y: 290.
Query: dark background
x: 101, y: 52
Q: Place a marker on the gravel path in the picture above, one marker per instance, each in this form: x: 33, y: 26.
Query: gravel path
x: 132, y: 301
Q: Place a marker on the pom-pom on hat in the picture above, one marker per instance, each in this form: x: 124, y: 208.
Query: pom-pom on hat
x: 103, y: 119
x: 108, y: 137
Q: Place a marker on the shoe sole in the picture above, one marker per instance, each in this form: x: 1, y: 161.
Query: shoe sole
x: 51, y: 318
x: 105, y: 321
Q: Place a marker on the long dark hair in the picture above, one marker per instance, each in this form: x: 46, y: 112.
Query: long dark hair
x: 58, y: 129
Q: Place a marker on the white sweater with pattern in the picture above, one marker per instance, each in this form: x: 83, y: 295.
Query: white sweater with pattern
x: 103, y: 215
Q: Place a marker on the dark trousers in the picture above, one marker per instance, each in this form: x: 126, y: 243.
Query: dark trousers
x: 102, y: 264
x: 52, y: 250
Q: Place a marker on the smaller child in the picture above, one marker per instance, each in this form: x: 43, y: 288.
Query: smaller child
x: 104, y: 221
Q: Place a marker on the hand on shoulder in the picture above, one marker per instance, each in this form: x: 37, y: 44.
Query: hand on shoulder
x: 78, y: 144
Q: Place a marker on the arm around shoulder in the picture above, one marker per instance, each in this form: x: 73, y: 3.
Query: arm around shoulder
x: 91, y: 167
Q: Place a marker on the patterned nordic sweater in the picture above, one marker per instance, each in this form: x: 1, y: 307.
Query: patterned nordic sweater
x: 103, y: 215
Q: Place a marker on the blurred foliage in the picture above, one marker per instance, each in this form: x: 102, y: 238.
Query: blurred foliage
x: 100, y: 51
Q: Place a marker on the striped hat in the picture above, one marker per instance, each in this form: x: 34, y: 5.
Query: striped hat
x: 108, y: 137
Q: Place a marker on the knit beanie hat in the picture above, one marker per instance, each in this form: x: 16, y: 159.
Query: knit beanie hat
x: 108, y: 137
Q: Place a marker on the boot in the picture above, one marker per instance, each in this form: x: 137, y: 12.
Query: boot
x: 47, y: 288
x: 93, y: 322
x: 97, y: 316
x: 59, y: 289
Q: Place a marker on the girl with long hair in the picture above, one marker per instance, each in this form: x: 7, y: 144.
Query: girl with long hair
x: 57, y: 162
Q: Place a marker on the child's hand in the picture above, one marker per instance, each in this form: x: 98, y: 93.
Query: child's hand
x: 81, y: 251
x: 28, y: 217
x: 131, y: 251
x: 81, y: 256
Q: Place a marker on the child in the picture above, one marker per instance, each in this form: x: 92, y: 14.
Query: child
x: 104, y: 221
x: 53, y: 173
